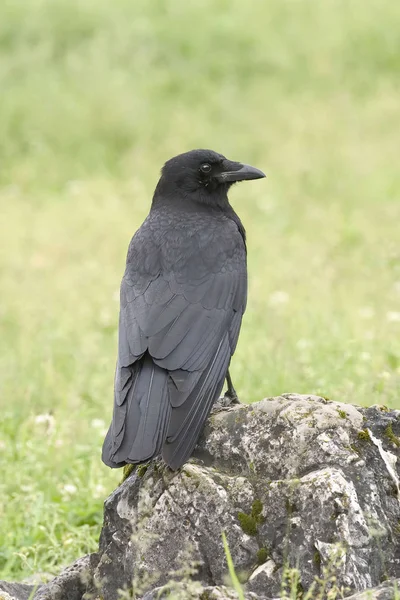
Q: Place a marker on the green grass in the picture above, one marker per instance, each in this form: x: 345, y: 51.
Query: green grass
x: 95, y: 95
x: 231, y: 569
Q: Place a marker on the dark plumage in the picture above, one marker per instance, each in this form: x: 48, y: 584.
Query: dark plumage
x: 183, y: 296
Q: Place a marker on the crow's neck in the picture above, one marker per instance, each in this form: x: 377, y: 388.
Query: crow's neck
x: 188, y: 192
x: 197, y: 201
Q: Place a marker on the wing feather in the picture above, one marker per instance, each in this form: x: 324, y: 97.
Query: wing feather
x: 179, y: 325
x: 188, y: 419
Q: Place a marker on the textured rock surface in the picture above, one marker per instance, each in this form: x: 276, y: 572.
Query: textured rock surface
x: 294, y: 481
x: 386, y: 591
x: 180, y: 592
x: 15, y: 591
x: 71, y: 584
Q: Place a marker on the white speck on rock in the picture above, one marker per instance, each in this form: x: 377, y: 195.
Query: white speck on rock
x: 389, y: 459
x: 267, y: 568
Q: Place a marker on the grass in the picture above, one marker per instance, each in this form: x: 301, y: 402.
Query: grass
x: 95, y: 96
x: 231, y: 568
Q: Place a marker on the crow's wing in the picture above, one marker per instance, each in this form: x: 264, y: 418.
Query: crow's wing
x: 182, y: 300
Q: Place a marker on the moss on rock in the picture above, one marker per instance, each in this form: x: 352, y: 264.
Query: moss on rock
x: 391, y: 436
x: 141, y: 470
x: 317, y: 558
x: 126, y: 471
x: 249, y: 523
x: 262, y: 555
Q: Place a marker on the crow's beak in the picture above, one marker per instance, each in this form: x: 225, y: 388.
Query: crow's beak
x: 241, y: 173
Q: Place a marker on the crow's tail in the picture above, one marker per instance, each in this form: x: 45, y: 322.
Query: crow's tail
x: 141, y: 416
x: 187, y: 419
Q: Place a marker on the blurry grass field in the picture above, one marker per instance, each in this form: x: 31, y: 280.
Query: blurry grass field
x: 95, y: 96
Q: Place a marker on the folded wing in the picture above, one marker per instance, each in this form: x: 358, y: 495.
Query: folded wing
x: 178, y: 330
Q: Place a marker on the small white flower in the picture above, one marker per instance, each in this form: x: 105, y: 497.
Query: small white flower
x: 44, y: 418
x: 47, y: 420
x: 384, y: 375
x: 99, y: 491
x: 68, y: 541
x: 393, y: 316
x: 69, y: 488
x: 278, y: 297
x: 98, y: 424
x: 25, y: 488
x: 366, y: 312
x: 302, y: 344
x: 2, y: 445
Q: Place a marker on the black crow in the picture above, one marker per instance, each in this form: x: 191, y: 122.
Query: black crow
x: 183, y: 296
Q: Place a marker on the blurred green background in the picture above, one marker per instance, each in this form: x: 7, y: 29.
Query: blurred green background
x: 94, y: 97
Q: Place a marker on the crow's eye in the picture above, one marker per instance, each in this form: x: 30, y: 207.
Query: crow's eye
x: 206, y: 168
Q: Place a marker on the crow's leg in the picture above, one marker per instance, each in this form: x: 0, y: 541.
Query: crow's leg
x: 230, y: 393
x: 229, y: 399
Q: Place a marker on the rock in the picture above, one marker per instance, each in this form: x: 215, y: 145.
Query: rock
x: 71, y: 584
x: 305, y: 489
x: 15, y: 591
x: 294, y: 481
x: 220, y: 592
x: 386, y: 591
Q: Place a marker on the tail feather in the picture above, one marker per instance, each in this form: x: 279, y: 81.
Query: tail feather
x: 138, y: 428
x: 187, y: 420
x: 155, y: 414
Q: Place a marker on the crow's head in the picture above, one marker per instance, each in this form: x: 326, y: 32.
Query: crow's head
x: 204, y: 172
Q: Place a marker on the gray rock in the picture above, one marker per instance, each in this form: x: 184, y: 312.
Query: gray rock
x: 71, y: 584
x: 294, y: 481
x: 220, y: 592
x: 16, y: 591
x: 386, y: 591
x: 305, y: 489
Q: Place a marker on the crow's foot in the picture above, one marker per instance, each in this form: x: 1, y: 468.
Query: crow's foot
x: 225, y: 402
